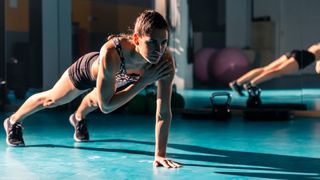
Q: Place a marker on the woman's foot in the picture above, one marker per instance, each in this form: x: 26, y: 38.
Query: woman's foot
x: 13, y: 132
x: 80, y: 129
x: 237, y: 88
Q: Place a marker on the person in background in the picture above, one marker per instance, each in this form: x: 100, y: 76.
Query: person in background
x: 288, y: 63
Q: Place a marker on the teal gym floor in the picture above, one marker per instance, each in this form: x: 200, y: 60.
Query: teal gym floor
x: 122, y: 146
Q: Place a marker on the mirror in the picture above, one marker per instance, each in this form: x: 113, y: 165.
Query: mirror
x: 231, y: 38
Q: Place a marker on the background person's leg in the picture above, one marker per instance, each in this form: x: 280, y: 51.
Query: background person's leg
x: 249, y: 75
x: 276, y: 70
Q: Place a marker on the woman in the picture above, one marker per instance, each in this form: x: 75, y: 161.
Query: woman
x: 124, y: 66
x: 286, y: 64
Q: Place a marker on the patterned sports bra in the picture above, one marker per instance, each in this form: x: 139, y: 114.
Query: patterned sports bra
x: 123, y: 79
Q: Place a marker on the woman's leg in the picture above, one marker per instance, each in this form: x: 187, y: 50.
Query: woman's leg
x: 238, y: 85
x: 258, y: 71
x: 249, y: 75
x: 277, y: 69
x: 88, y: 104
x: 62, y: 92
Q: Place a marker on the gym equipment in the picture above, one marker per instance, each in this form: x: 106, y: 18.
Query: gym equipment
x: 270, y: 114
x: 272, y: 111
x: 201, y: 62
x: 254, y: 99
x: 177, y: 101
x: 3, y: 95
x: 151, y: 103
x: 151, y: 90
x: 221, y: 111
x: 228, y: 64
x: 218, y: 111
x: 137, y: 105
x: 16, y: 70
x: 256, y: 111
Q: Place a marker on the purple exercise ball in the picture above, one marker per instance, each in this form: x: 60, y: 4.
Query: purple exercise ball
x: 228, y: 64
x: 201, y: 63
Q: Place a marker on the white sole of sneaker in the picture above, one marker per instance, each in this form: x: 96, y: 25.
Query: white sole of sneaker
x: 74, y: 127
x: 5, y: 128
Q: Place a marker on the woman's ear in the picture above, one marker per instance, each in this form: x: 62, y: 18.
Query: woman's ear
x: 136, y: 39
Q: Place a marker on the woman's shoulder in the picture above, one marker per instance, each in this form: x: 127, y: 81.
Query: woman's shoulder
x: 123, y: 41
x: 121, y: 38
x: 109, y: 49
x: 167, y: 55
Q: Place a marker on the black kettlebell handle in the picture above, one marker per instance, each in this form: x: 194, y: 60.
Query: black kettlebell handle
x: 215, y: 94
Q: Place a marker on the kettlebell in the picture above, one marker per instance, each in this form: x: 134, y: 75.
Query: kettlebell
x: 221, y: 111
x: 254, y: 100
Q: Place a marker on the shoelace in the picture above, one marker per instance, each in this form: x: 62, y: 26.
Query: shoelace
x: 16, y: 131
x: 82, y: 127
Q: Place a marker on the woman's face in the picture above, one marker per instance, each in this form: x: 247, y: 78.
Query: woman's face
x: 152, y: 47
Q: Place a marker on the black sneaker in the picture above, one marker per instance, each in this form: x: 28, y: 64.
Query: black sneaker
x: 254, y: 100
x: 80, y: 129
x: 14, y: 133
x: 236, y: 87
x: 252, y: 90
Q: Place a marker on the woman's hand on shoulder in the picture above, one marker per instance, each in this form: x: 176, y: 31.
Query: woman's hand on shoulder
x: 155, y: 72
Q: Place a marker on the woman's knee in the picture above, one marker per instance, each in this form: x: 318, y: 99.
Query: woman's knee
x: 275, y: 72
x: 93, y: 103
x: 42, y: 98
x: 258, y: 70
x: 90, y: 101
x: 48, y: 101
